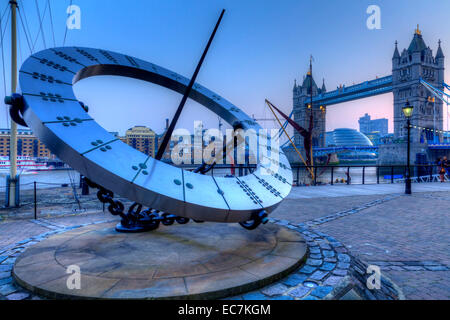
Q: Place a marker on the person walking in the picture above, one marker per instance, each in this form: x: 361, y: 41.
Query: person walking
x: 446, y: 165
x: 441, y: 165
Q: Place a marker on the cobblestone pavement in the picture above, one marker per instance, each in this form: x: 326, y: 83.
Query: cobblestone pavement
x: 406, y: 236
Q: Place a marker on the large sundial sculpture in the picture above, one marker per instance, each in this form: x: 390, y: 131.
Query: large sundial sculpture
x: 48, y: 105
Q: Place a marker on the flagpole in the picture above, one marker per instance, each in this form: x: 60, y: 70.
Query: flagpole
x: 13, y: 132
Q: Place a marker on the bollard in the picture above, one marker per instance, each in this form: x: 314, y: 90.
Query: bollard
x: 84, y: 187
x: 332, y: 175
x: 378, y: 175
x: 35, y: 202
x: 364, y: 175
x: 392, y: 174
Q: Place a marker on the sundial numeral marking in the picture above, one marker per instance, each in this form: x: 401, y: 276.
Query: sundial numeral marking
x: 108, y: 56
x: 275, y: 162
x: 275, y: 175
x: 140, y: 168
x: 53, y: 64
x: 87, y: 55
x: 154, y: 68
x: 249, y: 192
x: 43, y: 77
x: 132, y: 61
x: 268, y: 186
x: 67, y: 121
x: 52, y: 97
x: 176, y: 76
x: 67, y: 57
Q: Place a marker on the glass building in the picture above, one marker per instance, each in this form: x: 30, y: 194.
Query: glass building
x: 345, y: 137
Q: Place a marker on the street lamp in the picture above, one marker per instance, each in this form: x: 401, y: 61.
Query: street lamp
x: 407, y: 111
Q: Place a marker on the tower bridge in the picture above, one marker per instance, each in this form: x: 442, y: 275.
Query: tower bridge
x: 354, y: 92
x: 409, y: 68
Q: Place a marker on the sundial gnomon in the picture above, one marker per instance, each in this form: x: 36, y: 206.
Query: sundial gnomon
x: 50, y: 108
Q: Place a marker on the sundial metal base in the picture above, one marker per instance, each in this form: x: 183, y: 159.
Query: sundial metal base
x: 193, y: 261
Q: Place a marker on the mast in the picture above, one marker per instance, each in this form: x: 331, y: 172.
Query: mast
x: 13, y: 132
x: 311, y: 115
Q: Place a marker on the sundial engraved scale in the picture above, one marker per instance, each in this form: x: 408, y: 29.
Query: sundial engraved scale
x: 50, y: 108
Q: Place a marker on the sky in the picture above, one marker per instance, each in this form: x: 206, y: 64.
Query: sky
x: 258, y: 51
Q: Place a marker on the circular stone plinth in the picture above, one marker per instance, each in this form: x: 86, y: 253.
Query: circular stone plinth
x: 192, y: 261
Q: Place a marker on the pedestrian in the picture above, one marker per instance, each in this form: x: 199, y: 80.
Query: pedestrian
x: 441, y: 166
x: 446, y: 165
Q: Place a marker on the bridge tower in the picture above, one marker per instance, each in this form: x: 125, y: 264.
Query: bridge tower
x: 407, y: 68
x: 303, y: 109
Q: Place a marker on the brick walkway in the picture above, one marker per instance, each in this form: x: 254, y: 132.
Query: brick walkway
x: 406, y: 236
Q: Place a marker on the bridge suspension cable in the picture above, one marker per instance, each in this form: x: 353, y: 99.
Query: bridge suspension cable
x: 440, y: 94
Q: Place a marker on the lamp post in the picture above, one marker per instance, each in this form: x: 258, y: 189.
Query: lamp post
x: 407, y: 111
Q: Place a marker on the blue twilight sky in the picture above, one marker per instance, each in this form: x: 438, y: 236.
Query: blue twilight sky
x: 260, y: 48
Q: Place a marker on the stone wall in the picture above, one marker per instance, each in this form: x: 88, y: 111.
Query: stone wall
x: 396, y: 153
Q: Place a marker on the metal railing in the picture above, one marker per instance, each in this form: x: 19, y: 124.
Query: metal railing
x: 363, y: 174
x: 340, y: 174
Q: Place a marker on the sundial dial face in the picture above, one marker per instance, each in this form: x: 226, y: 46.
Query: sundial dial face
x: 53, y: 112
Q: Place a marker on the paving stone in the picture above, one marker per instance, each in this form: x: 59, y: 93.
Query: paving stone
x: 307, y: 269
x: 411, y: 263
x: 414, y: 268
x: 343, y: 265
x: 321, y: 292
x: 341, y: 250
x: 5, y: 274
x: 430, y: 263
x: 7, y: 289
x: 397, y: 268
x: 274, y: 290
x: 325, y: 246
x: 396, y: 263
x: 9, y: 261
x: 282, y: 298
x: 5, y: 267
x: 340, y: 272
x: 314, y: 250
x: 315, y: 256
x: 5, y: 280
x: 343, y: 257
x: 3, y: 258
x: 328, y: 253
x: 24, y: 241
x: 18, y: 296
x: 351, y: 295
x: 299, y: 292
x: 310, y: 298
x: 380, y: 263
x: 437, y: 268
x: 256, y: 295
x: 330, y: 259
x: 328, y: 266
x: 336, y: 244
x: 318, y: 275
x: 332, y: 280
x: 295, y: 279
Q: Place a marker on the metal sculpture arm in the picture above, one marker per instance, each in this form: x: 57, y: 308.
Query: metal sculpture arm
x: 174, y: 121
